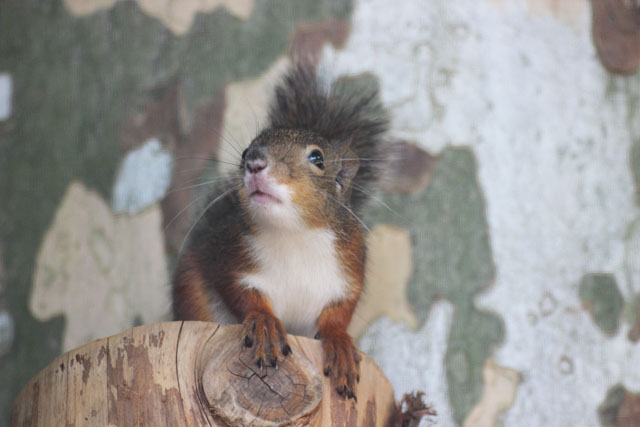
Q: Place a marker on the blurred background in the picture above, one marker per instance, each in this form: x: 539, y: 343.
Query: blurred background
x: 505, y: 252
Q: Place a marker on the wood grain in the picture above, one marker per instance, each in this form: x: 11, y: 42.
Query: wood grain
x: 194, y: 374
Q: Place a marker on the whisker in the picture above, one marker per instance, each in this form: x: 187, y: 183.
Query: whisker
x: 203, y: 171
x: 351, y: 212
x: 370, y: 195
x: 225, y: 139
x: 238, y: 145
x: 187, y: 170
x: 232, y: 155
x: 182, y: 210
x: 211, y: 159
x: 202, y: 214
x: 374, y: 198
x: 347, y: 208
x: 362, y: 159
x: 208, y: 182
x: 256, y: 122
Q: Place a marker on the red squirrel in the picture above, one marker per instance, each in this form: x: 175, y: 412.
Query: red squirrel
x: 282, y: 248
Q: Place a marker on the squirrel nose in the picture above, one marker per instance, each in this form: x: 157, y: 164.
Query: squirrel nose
x: 256, y: 165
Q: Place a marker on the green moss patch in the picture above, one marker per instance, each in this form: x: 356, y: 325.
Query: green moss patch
x: 600, y: 294
x: 452, y: 260
x: 76, y: 82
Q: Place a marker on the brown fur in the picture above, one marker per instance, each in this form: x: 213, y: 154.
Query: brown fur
x: 303, y: 118
x: 411, y: 410
x: 190, y: 301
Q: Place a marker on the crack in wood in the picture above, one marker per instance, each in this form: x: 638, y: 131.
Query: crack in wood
x: 176, y: 364
x: 200, y: 394
x: 211, y: 396
x: 259, y: 409
x: 262, y: 379
x: 283, y: 399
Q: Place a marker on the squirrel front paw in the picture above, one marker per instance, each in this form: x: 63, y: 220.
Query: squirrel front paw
x: 266, y: 333
x: 342, y: 363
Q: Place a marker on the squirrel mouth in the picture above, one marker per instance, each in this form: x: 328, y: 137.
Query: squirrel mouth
x: 262, y: 198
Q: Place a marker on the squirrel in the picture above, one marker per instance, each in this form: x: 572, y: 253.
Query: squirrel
x: 282, y: 248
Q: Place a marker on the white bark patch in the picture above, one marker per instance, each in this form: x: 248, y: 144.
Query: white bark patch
x: 524, y: 88
x: 414, y: 360
x: 7, y: 332
x: 6, y: 90
x: 143, y: 178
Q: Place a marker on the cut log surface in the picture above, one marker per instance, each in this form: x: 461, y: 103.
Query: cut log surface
x: 195, y: 374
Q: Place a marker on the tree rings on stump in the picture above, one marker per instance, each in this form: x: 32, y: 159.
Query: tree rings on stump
x: 240, y: 393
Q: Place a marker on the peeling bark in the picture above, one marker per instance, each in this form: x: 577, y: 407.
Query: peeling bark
x: 194, y: 374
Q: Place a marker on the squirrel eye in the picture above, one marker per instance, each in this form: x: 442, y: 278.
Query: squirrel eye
x: 244, y: 153
x: 316, y: 158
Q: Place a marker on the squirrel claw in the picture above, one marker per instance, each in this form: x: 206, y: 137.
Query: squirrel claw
x: 347, y: 393
x: 342, y: 363
x: 247, y: 341
x: 286, y: 350
x: 265, y: 333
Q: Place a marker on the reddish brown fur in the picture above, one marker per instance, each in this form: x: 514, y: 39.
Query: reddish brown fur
x: 303, y: 118
x: 261, y: 326
x: 313, y: 190
x: 342, y: 361
x: 190, y: 299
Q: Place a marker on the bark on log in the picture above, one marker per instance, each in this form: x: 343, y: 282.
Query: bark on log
x: 194, y: 374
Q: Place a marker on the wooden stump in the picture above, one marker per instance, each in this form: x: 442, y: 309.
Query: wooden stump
x: 194, y: 374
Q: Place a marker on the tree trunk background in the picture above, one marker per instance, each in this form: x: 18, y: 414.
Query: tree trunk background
x: 194, y: 374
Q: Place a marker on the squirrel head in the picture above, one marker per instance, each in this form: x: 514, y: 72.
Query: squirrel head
x: 320, y: 156
x: 296, y: 178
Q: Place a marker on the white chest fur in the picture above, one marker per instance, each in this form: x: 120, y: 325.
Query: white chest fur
x: 300, y: 274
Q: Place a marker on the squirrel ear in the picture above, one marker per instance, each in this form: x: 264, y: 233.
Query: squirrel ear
x: 349, y: 169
